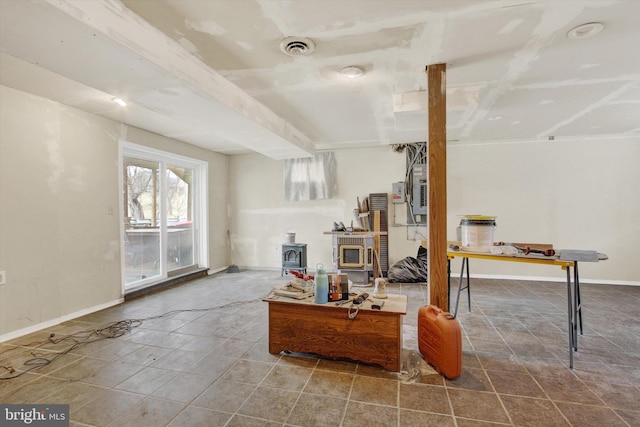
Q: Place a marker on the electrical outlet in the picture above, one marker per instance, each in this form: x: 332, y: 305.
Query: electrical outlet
x: 3, y: 278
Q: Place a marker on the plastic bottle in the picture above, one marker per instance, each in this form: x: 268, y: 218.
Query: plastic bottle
x: 321, y: 285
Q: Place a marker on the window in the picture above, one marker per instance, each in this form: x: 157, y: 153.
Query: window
x: 310, y: 178
x: 164, y: 211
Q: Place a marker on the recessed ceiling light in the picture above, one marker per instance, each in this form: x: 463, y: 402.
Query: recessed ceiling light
x: 494, y: 118
x: 352, y: 71
x: 297, y: 46
x: 585, y: 31
x: 121, y: 102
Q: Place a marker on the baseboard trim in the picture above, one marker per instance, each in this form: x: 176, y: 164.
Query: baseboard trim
x: 168, y: 283
x: 552, y: 279
x: 53, y: 322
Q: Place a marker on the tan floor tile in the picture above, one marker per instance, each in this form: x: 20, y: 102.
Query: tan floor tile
x: 631, y: 417
x: 147, y: 355
x: 366, y: 414
x: 331, y: 384
x: 471, y: 379
x: 568, y: 389
x: 147, y: 380
x: 112, y: 373
x: 151, y: 412
x: 112, y: 349
x: 247, y: 371
x: 233, y: 347
x: 273, y: 404
x: 79, y: 369
x: 76, y: 395
x: 246, y: 421
x: 425, y: 419
x: 178, y: 360
x: 224, y: 396
x: 518, y: 384
x: 314, y: 410
x: 299, y: 359
x: 292, y: 378
x: 464, y: 422
x: 36, y: 391
x: 194, y: 417
x: 202, y: 344
x: 337, y: 365
x: 502, y: 363
x: 590, y: 416
x: 183, y: 387
x: 477, y: 405
x: 260, y: 352
x: 103, y: 411
x: 212, y: 365
x: 525, y: 411
x: 617, y: 396
x: 426, y: 398
x: 374, y: 390
x: 9, y: 386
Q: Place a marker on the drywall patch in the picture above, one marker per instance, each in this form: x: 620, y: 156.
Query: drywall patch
x: 208, y: 27
x: 77, y: 180
x: 333, y: 212
x: 244, y: 45
x: 57, y: 164
x: 587, y: 66
x: 113, y: 252
x: 553, y: 20
x: 189, y: 47
x: 510, y: 26
x: 604, y: 101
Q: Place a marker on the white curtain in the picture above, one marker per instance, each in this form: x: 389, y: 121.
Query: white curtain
x: 310, y: 178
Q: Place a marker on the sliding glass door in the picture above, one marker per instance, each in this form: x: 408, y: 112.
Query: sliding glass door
x: 160, y: 215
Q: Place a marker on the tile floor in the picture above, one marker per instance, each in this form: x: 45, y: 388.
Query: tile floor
x: 212, y: 367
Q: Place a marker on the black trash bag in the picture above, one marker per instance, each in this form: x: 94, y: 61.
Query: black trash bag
x: 408, y: 270
x: 423, y: 255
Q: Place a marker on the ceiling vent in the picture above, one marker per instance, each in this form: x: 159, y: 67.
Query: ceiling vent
x: 297, y: 46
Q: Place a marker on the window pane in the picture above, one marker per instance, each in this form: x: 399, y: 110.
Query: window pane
x: 142, y: 233
x: 179, y: 217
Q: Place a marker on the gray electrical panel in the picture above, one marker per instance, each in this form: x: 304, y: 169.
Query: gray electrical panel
x: 397, y: 192
x: 419, y: 196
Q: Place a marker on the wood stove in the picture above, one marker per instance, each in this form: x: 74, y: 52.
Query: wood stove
x: 294, y: 257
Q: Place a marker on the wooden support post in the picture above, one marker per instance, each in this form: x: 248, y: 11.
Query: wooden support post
x: 437, y: 184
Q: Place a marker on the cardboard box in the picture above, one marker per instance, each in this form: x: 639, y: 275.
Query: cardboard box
x: 338, y: 287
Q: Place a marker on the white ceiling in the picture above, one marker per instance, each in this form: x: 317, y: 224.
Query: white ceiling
x: 211, y: 72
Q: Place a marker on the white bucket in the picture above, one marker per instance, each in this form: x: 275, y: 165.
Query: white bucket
x: 477, y: 233
x: 289, y: 238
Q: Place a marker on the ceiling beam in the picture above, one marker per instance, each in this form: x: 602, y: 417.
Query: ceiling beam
x: 223, y: 102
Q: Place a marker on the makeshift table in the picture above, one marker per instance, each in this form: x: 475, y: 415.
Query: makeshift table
x: 567, y: 259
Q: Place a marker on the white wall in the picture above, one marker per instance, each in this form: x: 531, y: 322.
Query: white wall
x: 575, y: 195
x: 260, y: 216
x: 59, y: 222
